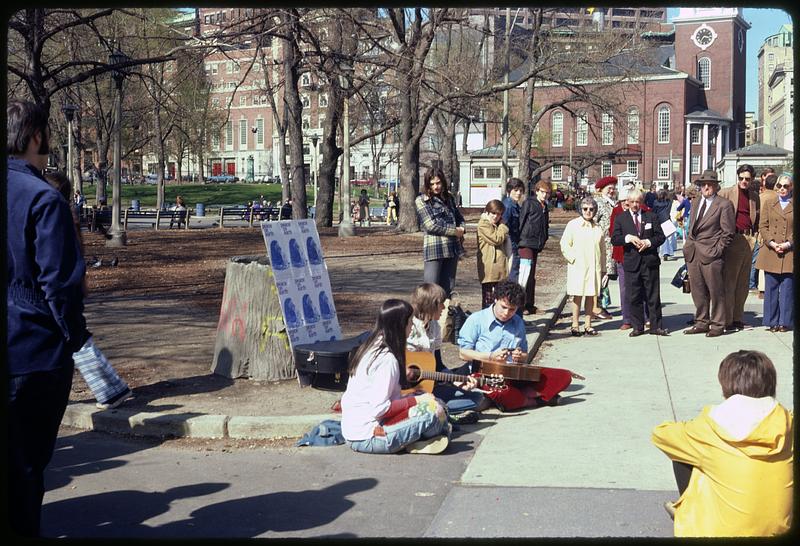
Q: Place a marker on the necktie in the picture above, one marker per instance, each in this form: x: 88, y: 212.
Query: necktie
x: 699, y: 216
x: 637, y: 224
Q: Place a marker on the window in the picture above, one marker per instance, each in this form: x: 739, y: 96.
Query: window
x: 492, y: 172
x: 320, y: 121
x: 663, y: 125
x: 608, y: 129
x: 606, y: 169
x: 323, y: 100
x: 695, y: 163
x: 663, y: 169
x: 215, y: 141
x: 236, y: 67
x: 633, y: 168
x: 215, y: 102
x: 557, y: 172
x: 229, y: 67
x: 477, y: 172
x: 582, y: 129
x: 214, y: 68
x: 633, y: 126
x: 305, y: 101
x: 229, y: 135
x: 704, y: 72
x: 695, y: 135
x: 305, y: 80
x: 306, y: 123
x: 260, y: 131
x: 557, y: 138
x: 243, y: 101
x: 242, y: 134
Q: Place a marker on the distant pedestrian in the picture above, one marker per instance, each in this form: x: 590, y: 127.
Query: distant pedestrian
x: 640, y: 234
x: 286, y: 210
x: 777, y: 257
x: 662, y: 208
x: 606, y: 200
x: 583, y: 246
x: 444, y: 228
x: 363, y: 208
x: 534, y: 230
x: 391, y: 209
x: 515, y: 192
x: 45, y: 323
x: 712, y: 228
x: 733, y: 464
x: 492, y: 236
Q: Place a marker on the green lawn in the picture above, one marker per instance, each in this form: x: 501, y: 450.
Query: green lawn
x: 211, y: 195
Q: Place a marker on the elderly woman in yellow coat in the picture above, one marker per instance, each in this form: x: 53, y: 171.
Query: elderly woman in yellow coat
x: 733, y: 463
x: 583, y: 245
x: 776, y: 257
x: 492, y: 251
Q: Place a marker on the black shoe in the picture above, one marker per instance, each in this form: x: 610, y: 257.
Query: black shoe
x: 468, y: 417
x: 554, y: 401
x: 739, y: 325
x: 696, y: 330
x: 636, y: 333
x: 659, y: 332
x: 575, y: 332
x: 714, y: 333
x: 591, y: 332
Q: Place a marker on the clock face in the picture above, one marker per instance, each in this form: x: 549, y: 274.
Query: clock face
x: 704, y: 36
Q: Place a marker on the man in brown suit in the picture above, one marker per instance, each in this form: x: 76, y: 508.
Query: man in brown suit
x: 712, y: 228
x: 738, y: 255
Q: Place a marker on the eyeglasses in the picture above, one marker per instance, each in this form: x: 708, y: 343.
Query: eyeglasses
x: 745, y: 178
x: 786, y: 185
x: 587, y: 208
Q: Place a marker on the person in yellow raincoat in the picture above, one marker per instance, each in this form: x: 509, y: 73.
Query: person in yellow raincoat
x: 740, y: 455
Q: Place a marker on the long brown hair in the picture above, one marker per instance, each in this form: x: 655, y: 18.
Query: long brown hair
x: 388, y: 333
x: 432, y: 173
x: 750, y: 373
x: 426, y: 299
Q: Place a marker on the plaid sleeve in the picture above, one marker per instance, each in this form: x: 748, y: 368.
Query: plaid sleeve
x: 428, y: 221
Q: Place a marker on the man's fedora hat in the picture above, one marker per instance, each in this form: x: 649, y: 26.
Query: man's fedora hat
x: 709, y: 175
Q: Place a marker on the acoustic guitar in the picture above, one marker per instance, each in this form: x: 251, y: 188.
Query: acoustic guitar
x: 424, y: 375
x: 520, y: 372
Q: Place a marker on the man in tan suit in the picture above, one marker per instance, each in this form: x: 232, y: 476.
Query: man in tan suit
x: 739, y: 254
x: 712, y: 228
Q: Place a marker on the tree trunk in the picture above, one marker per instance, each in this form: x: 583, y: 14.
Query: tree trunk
x: 409, y: 186
x: 449, y: 153
x: 251, y: 334
x: 327, y: 168
x: 294, y: 121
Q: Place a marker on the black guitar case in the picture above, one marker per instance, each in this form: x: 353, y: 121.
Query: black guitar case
x: 323, y: 365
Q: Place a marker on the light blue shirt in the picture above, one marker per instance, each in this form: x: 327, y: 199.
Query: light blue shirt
x: 483, y: 332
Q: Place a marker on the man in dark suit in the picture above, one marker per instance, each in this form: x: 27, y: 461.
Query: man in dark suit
x: 712, y: 227
x: 639, y: 234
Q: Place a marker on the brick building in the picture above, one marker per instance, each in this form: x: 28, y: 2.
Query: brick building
x: 681, y: 114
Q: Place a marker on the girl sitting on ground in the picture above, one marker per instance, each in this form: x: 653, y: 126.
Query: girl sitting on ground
x: 376, y: 417
x: 426, y: 335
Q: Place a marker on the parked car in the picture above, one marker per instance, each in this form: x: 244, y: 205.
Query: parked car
x: 223, y: 178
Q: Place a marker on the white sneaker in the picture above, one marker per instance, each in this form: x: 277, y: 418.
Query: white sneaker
x: 116, y: 401
x: 430, y: 446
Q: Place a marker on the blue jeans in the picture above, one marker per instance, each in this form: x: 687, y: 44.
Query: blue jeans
x: 425, y: 420
x: 753, y: 271
x: 513, y: 274
x: 778, y: 299
x: 441, y: 272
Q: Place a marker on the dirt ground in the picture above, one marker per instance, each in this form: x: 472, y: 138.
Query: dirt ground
x: 155, y: 313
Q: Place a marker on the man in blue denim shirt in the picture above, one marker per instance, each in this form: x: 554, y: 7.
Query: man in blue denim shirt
x: 515, y: 190
x: 44, y: 312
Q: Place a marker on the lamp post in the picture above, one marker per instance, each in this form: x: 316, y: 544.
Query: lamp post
x: 315, y: 167
x: 69, y: 113
x: 346, y: 225
x: 118, y: 236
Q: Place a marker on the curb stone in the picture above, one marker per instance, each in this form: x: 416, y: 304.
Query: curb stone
x: 193, y: 425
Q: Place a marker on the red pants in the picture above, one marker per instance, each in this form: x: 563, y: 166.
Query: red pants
x: 521, y: 394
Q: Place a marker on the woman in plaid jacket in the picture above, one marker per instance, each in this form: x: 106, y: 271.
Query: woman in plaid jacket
x: 444, y: 229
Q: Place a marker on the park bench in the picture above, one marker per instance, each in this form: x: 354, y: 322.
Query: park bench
x: 156, y: 217
x: 94, y: 218
x: 377, y: 214
x: 246, y: 214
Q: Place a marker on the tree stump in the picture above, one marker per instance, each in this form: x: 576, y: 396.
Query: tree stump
x: 251, y: 333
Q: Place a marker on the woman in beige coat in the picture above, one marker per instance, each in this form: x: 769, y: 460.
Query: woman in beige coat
x: 776, y: 256
x: 492, y: 252
x: 583, y: 245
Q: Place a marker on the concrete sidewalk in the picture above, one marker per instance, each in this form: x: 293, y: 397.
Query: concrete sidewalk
x: 632, y: 385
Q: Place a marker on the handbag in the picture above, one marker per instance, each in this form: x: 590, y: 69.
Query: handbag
x: 456, y: 316
x: 681, y: 279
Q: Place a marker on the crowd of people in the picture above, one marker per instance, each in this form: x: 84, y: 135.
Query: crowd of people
x: 733, y: 463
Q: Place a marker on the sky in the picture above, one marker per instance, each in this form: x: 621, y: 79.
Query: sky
x: 764, y: 22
